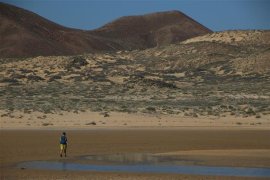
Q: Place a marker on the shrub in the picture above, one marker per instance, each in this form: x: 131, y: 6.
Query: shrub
x: 9, y: 80
x: 151, y: 109
x: 91, y: 123
x: 77, y: 62
x: 258, y: 116
x: 47, y: 124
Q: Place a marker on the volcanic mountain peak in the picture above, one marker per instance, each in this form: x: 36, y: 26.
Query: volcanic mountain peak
x: 154, y: 20
x: 153, y: 29
x: 26, y: 34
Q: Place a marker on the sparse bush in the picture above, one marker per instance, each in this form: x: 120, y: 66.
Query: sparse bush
x: 47, y: 124
x: 47, y: 72
x: 34, y: 78
x: 77, y: 78
x: 105, y: 114
x: 27, y: 111
x: 258, y: 116
x: 77, y: 62
x: 250, y: 111
x: 152, y: 109
x: 9, y: 80
x: 17, y: 76
x: 4, y: 115
x: 25, y: 71
x: 55, y: 77
x: 91, y: 123
x: 194, y: 115
x: 209, y: 113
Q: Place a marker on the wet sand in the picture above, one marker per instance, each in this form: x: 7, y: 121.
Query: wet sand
x: 222, y: 147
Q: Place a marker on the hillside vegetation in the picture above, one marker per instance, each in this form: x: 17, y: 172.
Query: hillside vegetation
x: 212, y: 75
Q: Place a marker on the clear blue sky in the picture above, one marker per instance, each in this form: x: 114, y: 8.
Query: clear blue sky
x: 217, y: 15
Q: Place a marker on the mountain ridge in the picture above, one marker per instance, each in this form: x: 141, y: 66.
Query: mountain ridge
x: 27, y: 34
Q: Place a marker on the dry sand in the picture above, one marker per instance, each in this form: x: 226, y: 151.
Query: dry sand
x: 90, y: 120
x: 237, y: 147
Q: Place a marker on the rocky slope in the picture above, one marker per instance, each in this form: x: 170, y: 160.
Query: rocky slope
x: 26, y: 34
x: 205, y: 77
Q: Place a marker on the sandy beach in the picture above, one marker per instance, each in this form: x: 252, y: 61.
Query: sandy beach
x: 93, y: 120
x: 204, y: 141
x: 212, y: 146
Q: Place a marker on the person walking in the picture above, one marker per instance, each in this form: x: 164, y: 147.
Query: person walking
x: 63, y: 144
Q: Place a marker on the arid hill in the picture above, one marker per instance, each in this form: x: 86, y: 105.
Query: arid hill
x: 152, y: 30
x: 26, y: 34
x: 236, y: 37
x: 214, y: 77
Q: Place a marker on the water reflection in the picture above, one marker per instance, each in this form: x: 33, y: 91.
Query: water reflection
x: 135, y: 158
x: 64, y: 166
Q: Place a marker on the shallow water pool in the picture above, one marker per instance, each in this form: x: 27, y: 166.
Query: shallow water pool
x: 144, y: 163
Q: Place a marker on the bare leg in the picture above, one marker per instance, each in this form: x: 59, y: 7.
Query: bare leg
x: 65, y: 151
x: 61, y: 151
